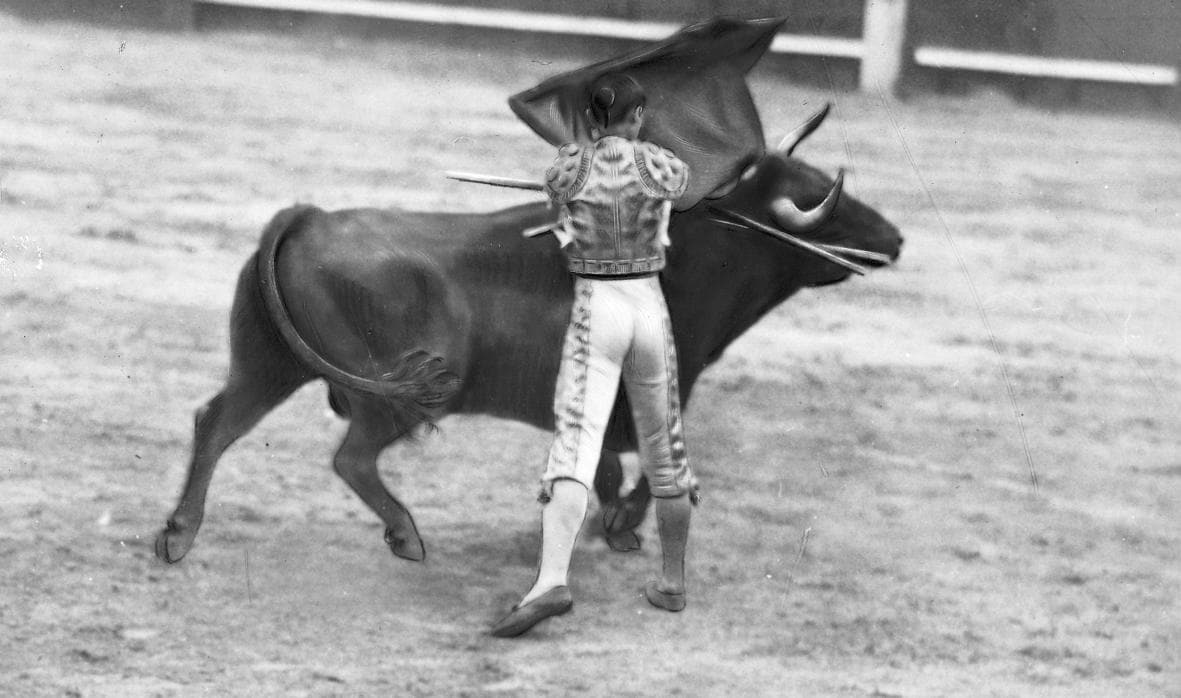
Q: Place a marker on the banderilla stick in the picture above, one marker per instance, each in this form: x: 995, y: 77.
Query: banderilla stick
x: 510, y: 182
x: 793, y: 240
x: 861, y: 254
x: 835, y: 249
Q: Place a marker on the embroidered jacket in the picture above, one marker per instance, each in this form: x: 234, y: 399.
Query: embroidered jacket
x: 616, y: 197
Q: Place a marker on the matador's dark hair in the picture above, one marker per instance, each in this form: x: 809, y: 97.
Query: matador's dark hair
x: 612, y: 97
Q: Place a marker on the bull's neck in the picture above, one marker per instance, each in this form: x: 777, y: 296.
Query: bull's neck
x: 720, y: 284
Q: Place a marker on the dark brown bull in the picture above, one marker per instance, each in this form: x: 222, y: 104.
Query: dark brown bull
x: 349, y: 296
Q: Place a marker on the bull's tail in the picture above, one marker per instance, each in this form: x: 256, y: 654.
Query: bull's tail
x: 419, y: 383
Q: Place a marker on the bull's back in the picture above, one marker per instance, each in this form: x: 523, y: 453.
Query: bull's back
x: 365, y: 286
x: 362, y: 296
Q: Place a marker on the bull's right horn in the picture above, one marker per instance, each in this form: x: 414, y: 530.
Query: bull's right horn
x: 792, y: 219
x: 797, y: 136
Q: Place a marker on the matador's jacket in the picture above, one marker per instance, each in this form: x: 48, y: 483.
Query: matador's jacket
x: 615, y: 196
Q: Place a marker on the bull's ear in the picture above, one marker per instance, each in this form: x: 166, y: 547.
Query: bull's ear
x: 799, y: 133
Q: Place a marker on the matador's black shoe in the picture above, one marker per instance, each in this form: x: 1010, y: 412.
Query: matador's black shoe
x: 555, y: 602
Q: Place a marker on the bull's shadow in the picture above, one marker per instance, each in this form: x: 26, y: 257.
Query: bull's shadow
x: 408, y: 316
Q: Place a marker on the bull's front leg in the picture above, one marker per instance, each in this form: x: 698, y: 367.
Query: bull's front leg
x: 623, y: 496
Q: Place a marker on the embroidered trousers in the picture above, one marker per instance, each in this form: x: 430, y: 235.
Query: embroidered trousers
x: 619, y: 331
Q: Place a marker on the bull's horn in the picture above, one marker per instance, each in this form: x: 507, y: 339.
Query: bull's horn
x: 791, y: 218
x: 791, y: 140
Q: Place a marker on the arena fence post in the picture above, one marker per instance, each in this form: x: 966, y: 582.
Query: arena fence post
x: 884, y: 41
x: 178, y: 14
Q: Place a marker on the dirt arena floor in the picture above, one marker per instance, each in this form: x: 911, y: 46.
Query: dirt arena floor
x: 871, y: 528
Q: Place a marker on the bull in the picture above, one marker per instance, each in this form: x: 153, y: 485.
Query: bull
x: 365, y: 298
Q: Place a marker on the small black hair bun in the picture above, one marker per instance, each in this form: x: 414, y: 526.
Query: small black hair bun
x: 604, y: 97
x: 612, y: 97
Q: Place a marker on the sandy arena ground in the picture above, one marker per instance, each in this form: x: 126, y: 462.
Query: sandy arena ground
x: 871, y: 528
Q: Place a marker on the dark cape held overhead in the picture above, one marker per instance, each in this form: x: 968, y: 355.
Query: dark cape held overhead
x: 699, y: 105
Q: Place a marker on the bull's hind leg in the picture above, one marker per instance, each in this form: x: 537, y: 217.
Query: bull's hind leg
x: 262, y: 374
x: 372, y: 429
x: 220, y: 422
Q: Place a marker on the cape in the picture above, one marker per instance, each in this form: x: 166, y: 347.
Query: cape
x: 699, y: 105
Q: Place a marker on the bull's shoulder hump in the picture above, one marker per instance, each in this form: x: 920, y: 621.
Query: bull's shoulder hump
x: 662, y: 172
x: 568, y: 172
x: 369, y: 238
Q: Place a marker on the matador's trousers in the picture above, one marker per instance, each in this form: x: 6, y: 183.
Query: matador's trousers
x: 619, y: 331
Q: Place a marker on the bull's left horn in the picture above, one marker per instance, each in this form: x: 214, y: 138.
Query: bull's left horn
x: 797, y: 136
x: 792, y: 219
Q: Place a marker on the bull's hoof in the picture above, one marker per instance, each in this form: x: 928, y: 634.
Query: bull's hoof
x: 620, y: 519
x: 624, y: 541
x: 622, y: 515
x: 406, y: 548
x: 172, y: 543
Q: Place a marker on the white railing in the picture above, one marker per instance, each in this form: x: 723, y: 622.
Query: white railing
x: 880, y: 52
x: 1041, y: 66
x: 540, y: 22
